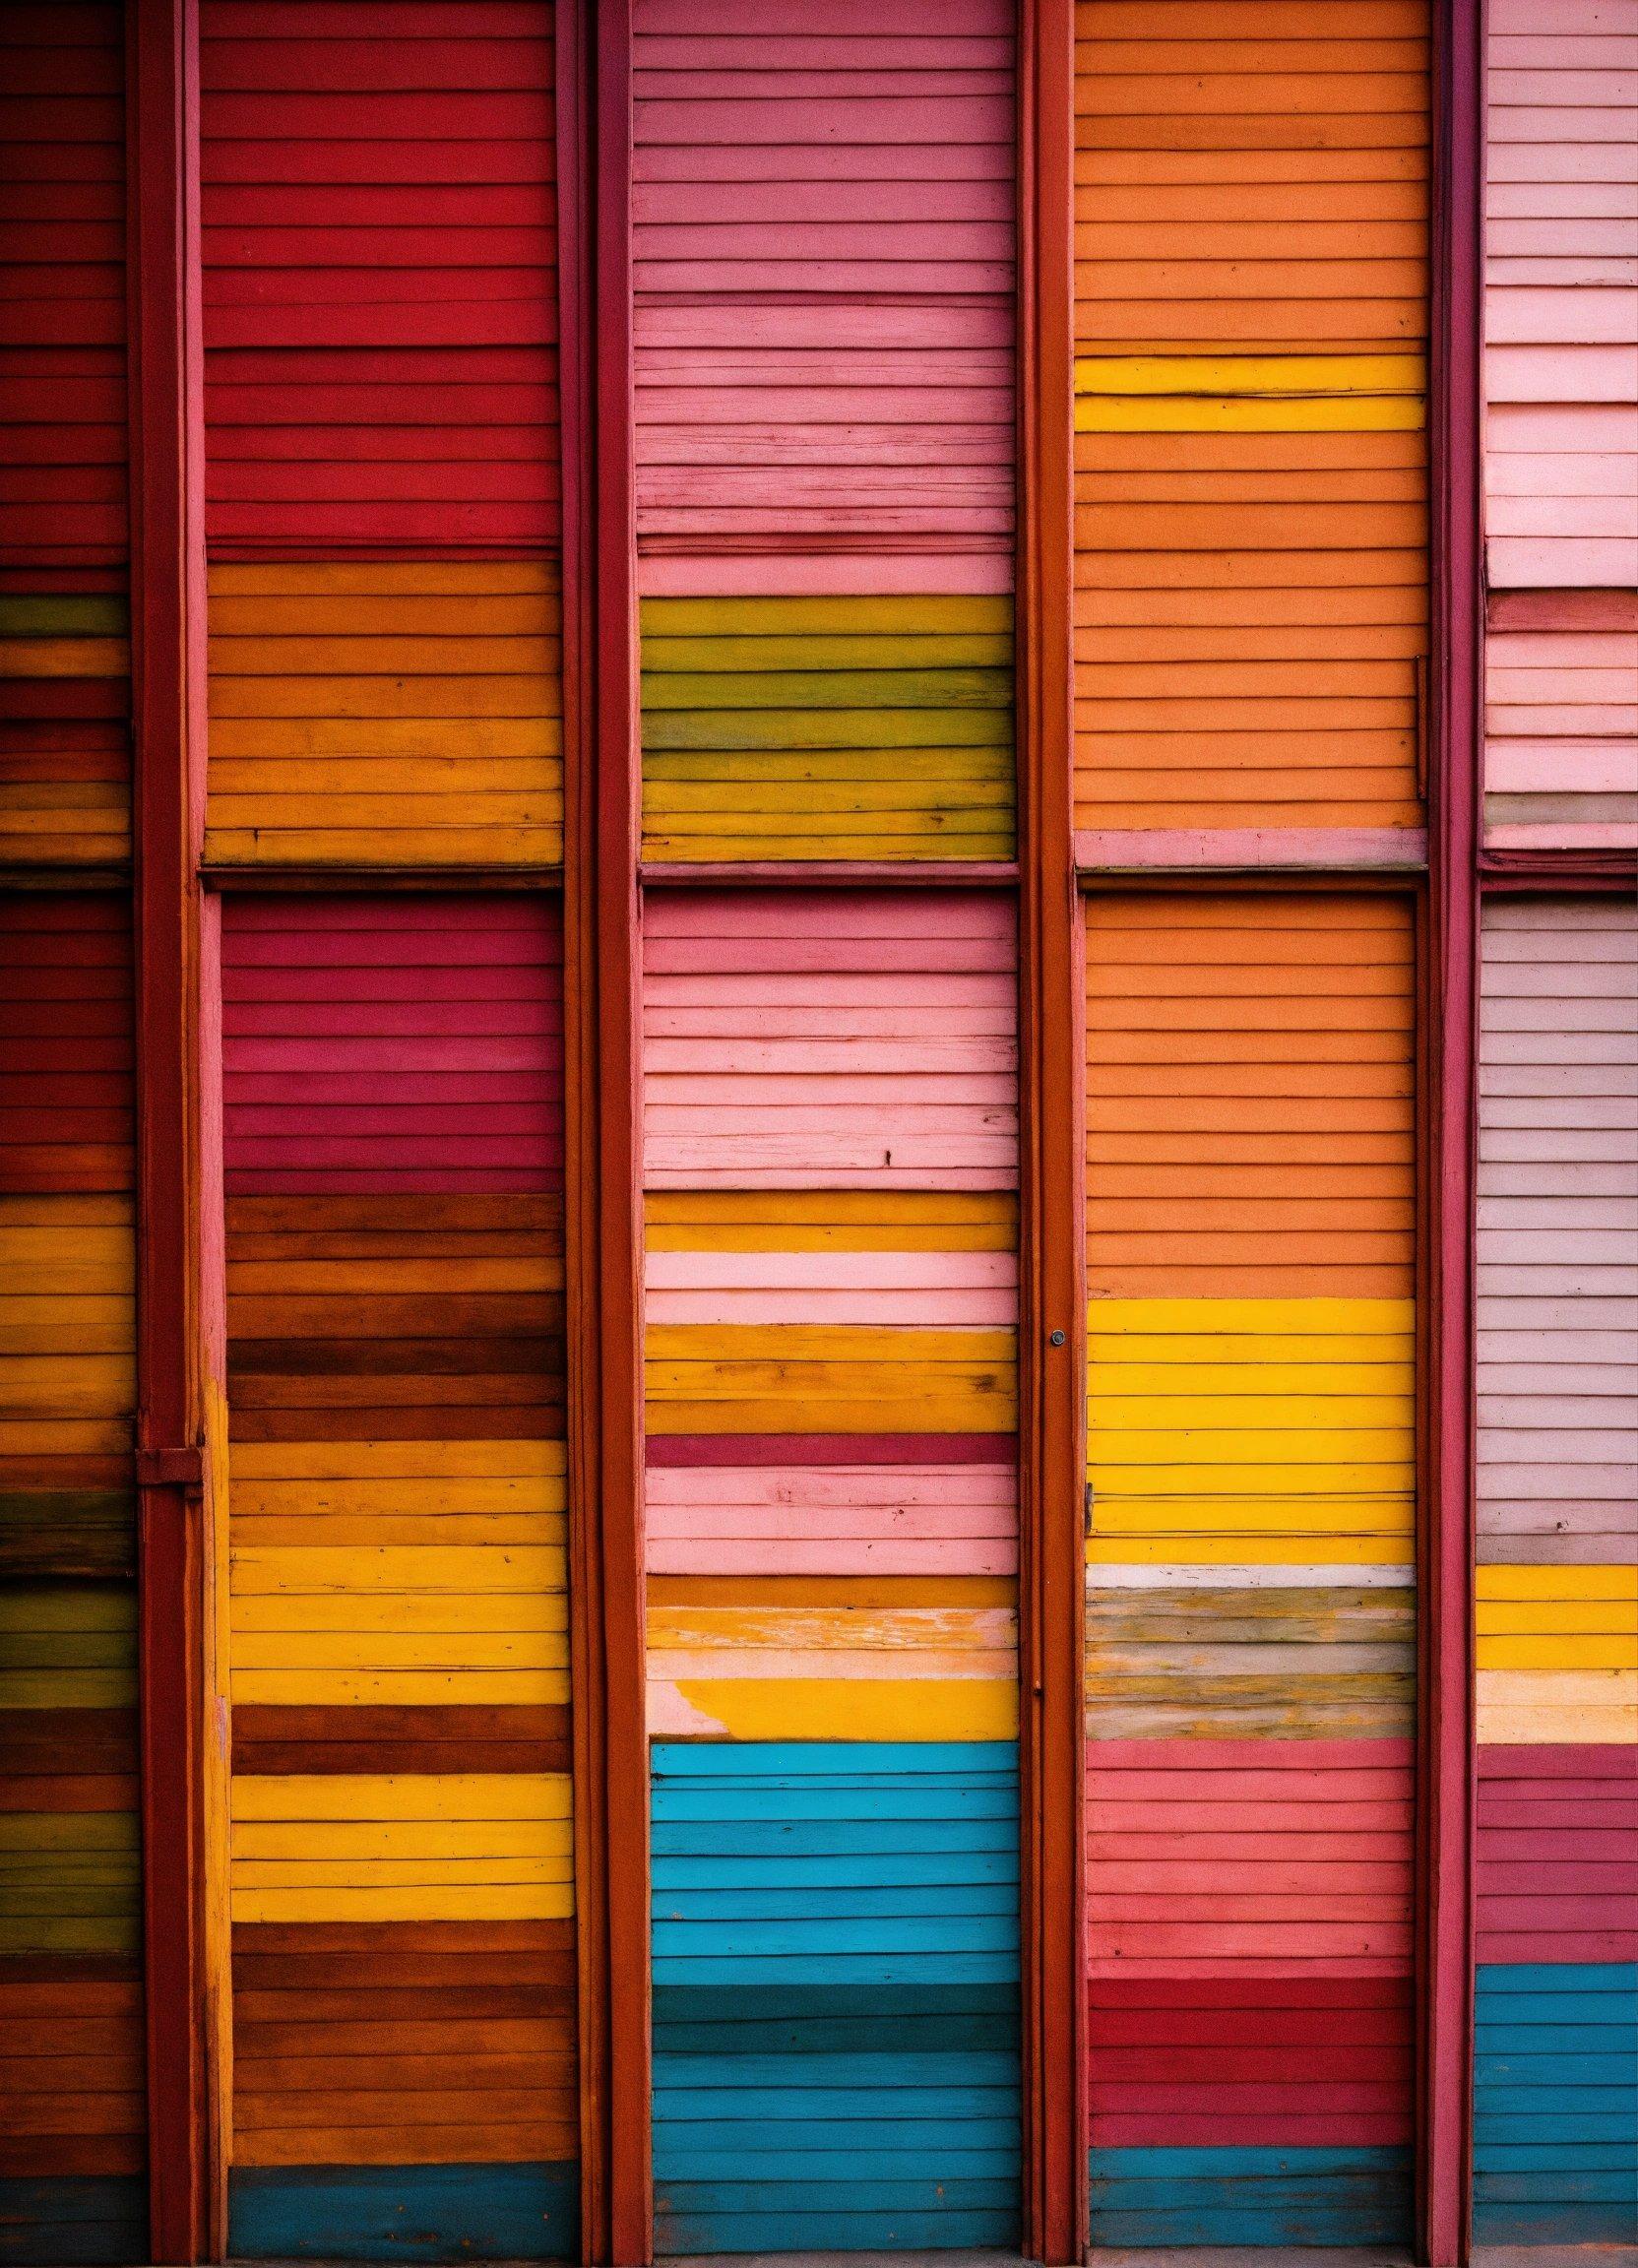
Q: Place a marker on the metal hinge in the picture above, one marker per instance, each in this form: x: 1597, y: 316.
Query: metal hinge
x: 171, y: 1467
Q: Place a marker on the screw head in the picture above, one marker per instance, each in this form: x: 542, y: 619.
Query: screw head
x: 1057, y: 1337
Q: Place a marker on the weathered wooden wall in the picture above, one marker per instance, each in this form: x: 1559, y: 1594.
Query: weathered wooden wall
x: 831, y: 1282
x: 824, y: 346
x: 1250, y: 1539
x: 1251, y: 267
x: 73, y: 2148
x: 1558, y: 1578
x: 1562, y: 427
x: 380, y: 324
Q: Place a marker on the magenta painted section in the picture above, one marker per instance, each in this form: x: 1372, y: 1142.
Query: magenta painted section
x: 385, y: 1043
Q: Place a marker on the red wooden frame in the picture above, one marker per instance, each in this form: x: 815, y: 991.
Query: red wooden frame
x: 603, y: 970
x: 1445, y: 1798
x: 178, y: 1323
x: 1052, y: 1161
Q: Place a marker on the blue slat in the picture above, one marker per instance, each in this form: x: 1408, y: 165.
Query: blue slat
x: 1553, y: 2221
x: 681, y: 2232
x: 883, y: 2068
x: 404, y: 2213
x: 792, y: 1901
x: 1248, y: 2195
x: 828, y: 1759
x: 839, y: 1969
x: 753, y: 1837
x: 702, y: 2156
x: 875, y: 1870
x: 52, y: 2220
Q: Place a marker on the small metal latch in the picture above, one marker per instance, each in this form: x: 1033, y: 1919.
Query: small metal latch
x: 171, y: 1467
x: 1090, y: 1500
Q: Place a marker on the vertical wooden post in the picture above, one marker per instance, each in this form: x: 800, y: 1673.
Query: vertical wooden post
x: 1451, y: 946
x: 603, y: 974
x: 178, y: 1336
x: 1052, y: 1303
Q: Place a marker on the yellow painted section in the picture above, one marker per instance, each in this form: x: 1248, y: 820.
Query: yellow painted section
x: 841, y: 1709
x: 1240, y: 413
x: 1290, y: 1421
x: 404, y: 1574
x: 829, y: 1220
x: 1279, y: 375
x: 403, y: 1795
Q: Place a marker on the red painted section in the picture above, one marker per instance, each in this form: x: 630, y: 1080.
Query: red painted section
x: 379, y: 300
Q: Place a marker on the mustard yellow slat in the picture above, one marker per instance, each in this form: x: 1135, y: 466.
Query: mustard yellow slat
x: 676, y: 802
x: 1571, y: 1584
x: 1206, y: 1321
x: 453, y: 1652
x: 1564, y: 1649
x: 533, y: 1688
x: 838, y: 1709
x: 880, y: 616
x: 251, y: 847
x: 662, y: 851
x: 459, y: 1902
x: 397, y: 1570
x: 352, y: 1463
x: 405, y: 1614
x: 476, y: 578
x: 1310, y: 1518
x: 403, y: 1795
x: 1250, y: 374
x: 1194, y: 1550
x: 67, y: 1688
x: 729, y: 1343
x: 543, y: 1843
x: 276, y: 739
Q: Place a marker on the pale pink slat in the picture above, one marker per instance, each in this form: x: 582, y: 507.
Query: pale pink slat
x: 985, y: 325
x: 1400, y: 849
x: 922, y: 1310
x: 1600, y: 835
x: 1552, y: 430
x: 778, y: 122
x: 1568, y: 202
x: 776, y: 575
x: 969, y: 1070
x: 728, y: 47
x: 862, y: 21
x: 1579, y: 19
x: 1588, y: 768
x: 858, y: 1555
x: 1593, y: 373
x: 965, y: 1499
x: 1541, y: 314
x: 662, y: 268
x: 1538, y: 562
x: 927, y: 1168
x: 1527, y: 122
x: 923, y: 203
x: 833, y: 915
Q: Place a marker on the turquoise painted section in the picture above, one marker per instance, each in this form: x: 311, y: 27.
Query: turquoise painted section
x: 1250, y: 2195
x: 52, y: 2220
x: 836, y: 1996
x: 1555, y: 2104
x: 404, y: 2213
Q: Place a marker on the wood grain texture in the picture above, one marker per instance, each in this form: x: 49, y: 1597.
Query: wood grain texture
x: 380, y: 280
x: 73, y: 2104
x: 831, y: 1285
x: 1250, y: 606
x: 1250, y: 1594
x: 398, y: 1591
x: 401, y: 713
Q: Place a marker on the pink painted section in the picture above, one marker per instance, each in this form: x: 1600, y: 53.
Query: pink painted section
x: 1216, y: 1857
x: 826, y: 1040
x: 840, y: 1520
x: 1557, y: 1243
x: 387, y: 1043
x: 824, y: 271
x: 938, y: 1290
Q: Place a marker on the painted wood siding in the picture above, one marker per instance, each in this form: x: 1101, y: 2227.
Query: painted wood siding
x: 64, y: 664
x: 1250, y: 608
x: 402, y: 1874
x: 1561, y: 425
x: 824, y: 272
x: 1249, y: 1600
x: 381, y: 321
x: 831, y: 1159
x: 73, y: 2159
x: 1556, y: 2109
